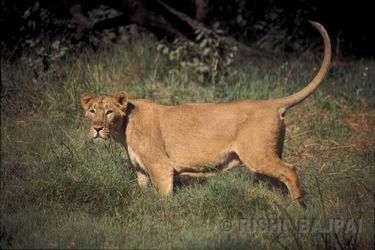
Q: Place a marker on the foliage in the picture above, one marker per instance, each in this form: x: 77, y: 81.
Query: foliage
x: 277, y: 34
x: 207, y: 59
x: 47, y: 38
x: 271, y: 25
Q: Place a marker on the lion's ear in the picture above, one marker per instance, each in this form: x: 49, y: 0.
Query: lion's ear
x: 86, y: 98
x: 122, y: 98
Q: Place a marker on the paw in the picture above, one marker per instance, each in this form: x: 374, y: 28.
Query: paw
x: 301, y: 200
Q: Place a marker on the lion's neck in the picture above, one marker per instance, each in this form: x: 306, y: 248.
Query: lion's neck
x: 120, y: 135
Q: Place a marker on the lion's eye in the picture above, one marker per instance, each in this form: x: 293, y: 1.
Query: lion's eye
x: 109, y: 112
x: 92, y: 111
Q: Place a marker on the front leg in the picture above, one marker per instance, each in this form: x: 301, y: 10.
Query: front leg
x: 162, y: 178
x: 142, y: 178
x: 157, y: 165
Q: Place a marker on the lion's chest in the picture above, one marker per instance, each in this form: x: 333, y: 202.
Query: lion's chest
x: 135, y: 158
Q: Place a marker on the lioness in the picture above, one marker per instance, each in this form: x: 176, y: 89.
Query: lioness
x: 162, y: 141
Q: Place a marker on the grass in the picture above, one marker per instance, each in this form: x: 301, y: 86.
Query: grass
x: 59, y: 190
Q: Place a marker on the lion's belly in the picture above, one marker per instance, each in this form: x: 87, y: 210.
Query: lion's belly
x: 200, y: 146
x: 193, y: 154
x: 221, y: 162
x: 198, y: 151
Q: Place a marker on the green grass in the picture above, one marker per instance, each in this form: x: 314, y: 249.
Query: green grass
x: 59, y: 190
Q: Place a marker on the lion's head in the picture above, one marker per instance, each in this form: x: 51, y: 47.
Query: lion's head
x: 105, y: 113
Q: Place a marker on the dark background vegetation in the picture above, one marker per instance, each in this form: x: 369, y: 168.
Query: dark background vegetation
x: 274, y: 25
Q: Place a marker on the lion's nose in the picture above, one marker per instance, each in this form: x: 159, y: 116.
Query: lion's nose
x: 98, y: 128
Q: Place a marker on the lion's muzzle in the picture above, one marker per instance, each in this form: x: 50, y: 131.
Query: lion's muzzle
x: 99, y: 132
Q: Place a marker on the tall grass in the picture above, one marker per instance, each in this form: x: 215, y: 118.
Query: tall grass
x: 59, y: 190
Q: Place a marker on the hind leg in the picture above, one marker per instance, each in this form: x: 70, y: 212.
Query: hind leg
x: 274, y: 167
x: 279, y: 150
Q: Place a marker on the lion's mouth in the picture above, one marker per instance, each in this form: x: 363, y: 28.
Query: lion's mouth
x: 99, y: 135
x: 98, y: 140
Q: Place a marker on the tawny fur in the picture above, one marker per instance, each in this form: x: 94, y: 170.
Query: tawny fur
x: 162, y: 141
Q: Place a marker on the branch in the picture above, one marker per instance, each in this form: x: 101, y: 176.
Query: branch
x: 194, y: 24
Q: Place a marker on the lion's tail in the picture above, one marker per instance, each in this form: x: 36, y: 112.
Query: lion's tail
x: 287, y: 102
